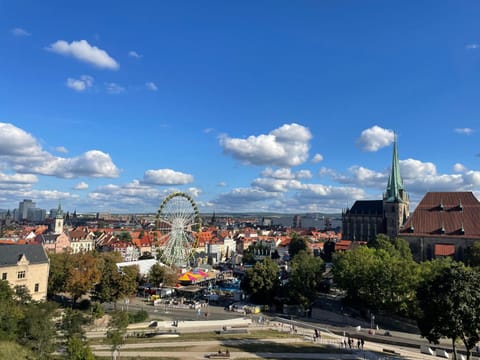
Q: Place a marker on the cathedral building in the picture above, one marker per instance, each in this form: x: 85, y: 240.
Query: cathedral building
x: 367, y: 218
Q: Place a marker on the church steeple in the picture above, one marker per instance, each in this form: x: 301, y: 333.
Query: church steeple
x: 395, y: 189
x: 396, y: 205
x: 59, y: 220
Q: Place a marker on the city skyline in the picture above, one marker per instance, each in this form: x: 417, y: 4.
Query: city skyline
x: 273, y: 106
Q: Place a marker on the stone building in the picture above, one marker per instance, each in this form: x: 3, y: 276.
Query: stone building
x: 27, y: 266
x: 443, y: 224
x: 367, y: 218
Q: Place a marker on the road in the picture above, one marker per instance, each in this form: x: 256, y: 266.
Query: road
x: 406, y: 344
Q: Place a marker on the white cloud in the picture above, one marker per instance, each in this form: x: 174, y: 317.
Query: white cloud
x: 459, y: 168
x: 83, y: 51
x: 81, y: 84
x: 113, y: 88
x: 245, y: 199
x: 363, y: 177
x: 303, y: 174
x: 127, y: 197
x: 20, y: 32
x: 320, y: 191
x: 411, y: 168
x: 166, y: 177
x: 286, y: 174
x: 286, y: 146
x: 194, y: 192
x: 151, y: 86
x: 81, y: 186
x: 134, y: 54
x: 93, y: 163
x: 472, y: 178
x: 472, y: 46
x: 61, y: 149
x: 15, y: 142
x: 283, y: 173
x: 464, y: 131
x: 18, y: 178
x: 327, y: 172
x: 317, y: 158
x: 375, y: 138
x: 222, y: 184
x: 21, y: 152
x: 276, y: 185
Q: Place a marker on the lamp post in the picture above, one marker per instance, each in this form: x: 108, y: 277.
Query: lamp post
x: 372, y: 321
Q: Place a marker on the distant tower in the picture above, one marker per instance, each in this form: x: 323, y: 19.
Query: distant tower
x: 23, y: 207
x: 396, y: 204
x: 297, y: 222
x: 59, y: 220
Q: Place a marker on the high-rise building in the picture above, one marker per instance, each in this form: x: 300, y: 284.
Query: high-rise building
x: 23, y: 207
x: 297, y: 222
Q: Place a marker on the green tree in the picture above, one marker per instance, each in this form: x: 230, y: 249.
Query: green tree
x: 60, y: 265
x: 37, y: 329
x: 379, y: 278
x: 248, y: 256
x: 125, y: 236
x: 297, y: 244
x: 472, y: 254
x: 449, y: 305
x: 22, y: 294
x: 73, y: 322
x: 396, y: 247
x: 117, y: 328
x: 262, y: 281
x: 78, y: 349
x: 114, y: 284
x: 306, y: 274
x: 156, y: 275
x: 10, y: 312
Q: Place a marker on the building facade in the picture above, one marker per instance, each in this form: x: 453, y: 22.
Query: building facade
x: 367, y: 218
x: 26, y: 266
x: 443, y: 224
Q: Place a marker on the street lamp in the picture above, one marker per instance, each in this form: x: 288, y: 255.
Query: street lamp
x: 372, y: 321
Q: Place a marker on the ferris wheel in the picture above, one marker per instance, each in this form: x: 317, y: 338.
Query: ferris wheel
x: 177, y: 220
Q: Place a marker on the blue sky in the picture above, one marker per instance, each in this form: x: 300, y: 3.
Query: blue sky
x: 283, y: 106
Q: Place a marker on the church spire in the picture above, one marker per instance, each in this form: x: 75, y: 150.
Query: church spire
x: 59, y: 220
x: 395, y: 188
x: 59, y: 211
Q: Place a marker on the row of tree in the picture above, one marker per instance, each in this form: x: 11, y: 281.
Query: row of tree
x: 28, y: 329
x: 97, y: 274
x: 441, y: 295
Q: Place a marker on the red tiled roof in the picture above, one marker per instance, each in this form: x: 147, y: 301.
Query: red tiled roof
x: 446, y: 214
x: 342, y: 245
x: 444, y: 249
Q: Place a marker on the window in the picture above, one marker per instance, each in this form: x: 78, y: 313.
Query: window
x: 21, y: 275
x: 4, y: 276
x: 37, y: 286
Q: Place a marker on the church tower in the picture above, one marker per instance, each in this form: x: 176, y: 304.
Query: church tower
x: 59, y: 220
x: 396, y: 204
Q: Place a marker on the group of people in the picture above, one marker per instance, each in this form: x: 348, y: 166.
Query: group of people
x: 349, y: 343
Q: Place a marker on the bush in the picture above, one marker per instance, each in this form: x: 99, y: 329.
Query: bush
x: 139, y: 316
x: 97, y: 310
